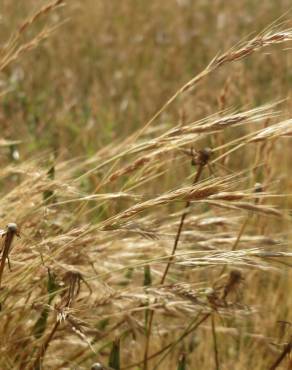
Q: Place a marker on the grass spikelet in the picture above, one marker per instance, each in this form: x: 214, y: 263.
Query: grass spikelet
x: 15, y: 48
x: 44, y: 11
x: 267, y: 38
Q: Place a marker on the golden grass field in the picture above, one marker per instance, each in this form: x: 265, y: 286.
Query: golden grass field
x: 145, y: 178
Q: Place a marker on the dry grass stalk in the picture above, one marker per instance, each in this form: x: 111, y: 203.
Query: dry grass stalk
x: 268, y: 38
x: 201, y: 160
x: 216, y: 351
x: 11, y: 231
x: 14, y: 49
x: 181, y: 136
x: 286, y: 351
x: 44, y: 11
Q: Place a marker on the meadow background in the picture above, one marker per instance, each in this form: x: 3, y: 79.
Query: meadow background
x: 98, y: 197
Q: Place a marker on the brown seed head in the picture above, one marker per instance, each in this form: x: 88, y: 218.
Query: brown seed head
x: 12, y: 227
x: 258, y: 187
x: 203, y: 156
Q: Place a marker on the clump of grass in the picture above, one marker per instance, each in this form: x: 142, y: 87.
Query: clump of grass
x: 125, y: 258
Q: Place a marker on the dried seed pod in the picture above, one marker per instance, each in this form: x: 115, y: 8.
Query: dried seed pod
x: 235, y: 277
x: 201, y: 158
x: 11, y: 231
x: 12, y: 227
x: 258, y: 187
x: 72, y: 281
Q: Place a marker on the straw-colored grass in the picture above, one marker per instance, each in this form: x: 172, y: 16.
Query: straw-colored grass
x: 145, y: 185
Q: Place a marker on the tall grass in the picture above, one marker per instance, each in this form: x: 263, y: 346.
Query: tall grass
x: 161, y: 244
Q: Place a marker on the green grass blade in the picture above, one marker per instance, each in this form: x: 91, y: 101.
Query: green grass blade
x: 114, y: 359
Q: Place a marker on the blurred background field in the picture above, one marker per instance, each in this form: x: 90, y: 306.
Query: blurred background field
x: 98, y: 203
x: 112, y: 64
